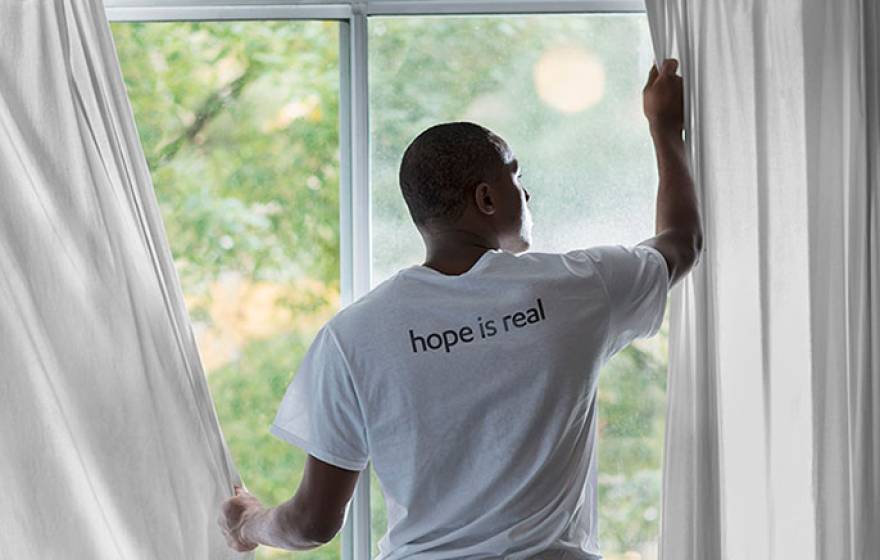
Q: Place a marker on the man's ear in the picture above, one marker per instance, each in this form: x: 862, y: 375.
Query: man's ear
x: 483, y: 198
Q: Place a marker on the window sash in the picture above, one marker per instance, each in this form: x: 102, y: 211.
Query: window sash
x: 171, y: 10
x: 354, y: 135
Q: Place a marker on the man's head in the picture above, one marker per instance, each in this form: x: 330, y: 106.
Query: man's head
x: 462, y: 176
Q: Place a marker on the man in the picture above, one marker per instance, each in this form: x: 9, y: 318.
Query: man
x: 469, y: 381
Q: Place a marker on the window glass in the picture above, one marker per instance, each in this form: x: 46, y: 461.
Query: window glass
x: 565, y: 92
x: 239, y: 124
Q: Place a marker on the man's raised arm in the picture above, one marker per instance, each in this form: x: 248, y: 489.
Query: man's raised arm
x: 679, y: 231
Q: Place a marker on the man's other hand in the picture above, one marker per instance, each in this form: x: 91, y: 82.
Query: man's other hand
x: 234, y: 512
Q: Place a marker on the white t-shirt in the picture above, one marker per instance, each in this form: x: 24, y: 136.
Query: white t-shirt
x: 474, y: 397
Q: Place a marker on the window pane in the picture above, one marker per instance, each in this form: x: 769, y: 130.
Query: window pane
x: 565, y: 92
x: 239, y: 123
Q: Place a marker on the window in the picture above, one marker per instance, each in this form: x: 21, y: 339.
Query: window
x: 257, y: 138
x: 239, y: 123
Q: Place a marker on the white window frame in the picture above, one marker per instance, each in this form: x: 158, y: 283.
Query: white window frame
x: 354, y: 133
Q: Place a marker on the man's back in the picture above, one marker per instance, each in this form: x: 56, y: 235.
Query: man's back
x: 473, y: 396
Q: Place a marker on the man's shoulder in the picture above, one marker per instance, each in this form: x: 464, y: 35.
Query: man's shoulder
x: 370, y: 309
x: 534, y: 261
x: 578, y: 262
x: 602, y: 259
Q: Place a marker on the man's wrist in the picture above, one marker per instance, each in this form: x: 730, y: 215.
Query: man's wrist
x: 254, y: 528
x: 665, y: 133
x: 273, y: 527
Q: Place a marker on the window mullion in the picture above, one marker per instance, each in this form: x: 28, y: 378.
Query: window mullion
x: 356, y: 231
x: 346, y: 236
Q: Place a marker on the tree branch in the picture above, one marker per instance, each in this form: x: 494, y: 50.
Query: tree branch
x: 210, y: 108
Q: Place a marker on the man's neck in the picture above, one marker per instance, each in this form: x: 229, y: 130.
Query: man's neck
x: 455, y: 251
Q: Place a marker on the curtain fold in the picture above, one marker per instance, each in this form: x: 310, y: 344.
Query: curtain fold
x: 772, y: 422
x: 111, y: 445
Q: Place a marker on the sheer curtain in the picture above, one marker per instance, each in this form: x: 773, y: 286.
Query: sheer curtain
x: 773, y: 428
x: 109, y: 444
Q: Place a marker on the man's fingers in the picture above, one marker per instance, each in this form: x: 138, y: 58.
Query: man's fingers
x: 233, y: 508
x: 670, y: 65
x: 652, y: 75
x: 228, y: 508
x: 232, y: 543
x: 668, y: 68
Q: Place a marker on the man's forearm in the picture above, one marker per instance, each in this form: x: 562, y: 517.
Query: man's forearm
x: 677, y: 207
x: 278, y: 527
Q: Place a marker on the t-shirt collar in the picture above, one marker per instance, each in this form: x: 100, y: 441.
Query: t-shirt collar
x: 478, y: 264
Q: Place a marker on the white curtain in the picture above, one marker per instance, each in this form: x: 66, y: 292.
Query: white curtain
x: 773, y: 426
x: 109, y: 443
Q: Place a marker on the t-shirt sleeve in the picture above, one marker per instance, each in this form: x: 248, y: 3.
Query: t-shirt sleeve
x: 636, y: 281
x: 320, y: 412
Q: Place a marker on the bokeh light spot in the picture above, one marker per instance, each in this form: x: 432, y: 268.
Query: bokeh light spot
x: 569, y: 79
